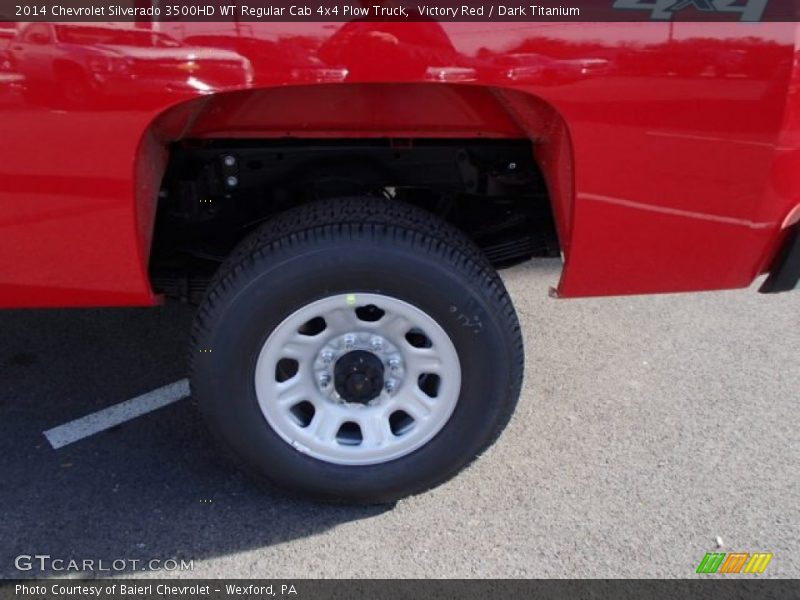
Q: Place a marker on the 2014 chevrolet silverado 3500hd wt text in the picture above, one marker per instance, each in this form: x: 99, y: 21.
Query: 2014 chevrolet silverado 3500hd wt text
x: 337, y: 198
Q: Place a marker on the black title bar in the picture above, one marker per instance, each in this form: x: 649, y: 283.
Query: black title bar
x: 218, y: 589
x: 745, y: 11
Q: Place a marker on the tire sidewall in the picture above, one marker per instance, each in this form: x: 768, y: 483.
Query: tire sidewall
x: 283, y: 280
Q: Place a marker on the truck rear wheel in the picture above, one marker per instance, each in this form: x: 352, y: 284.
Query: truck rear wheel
x: 357, y: 350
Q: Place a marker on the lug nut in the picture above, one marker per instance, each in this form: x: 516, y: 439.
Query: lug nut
x: 232, y: 181
x: 323, y: 379
x: 349, y: 341
x: 229, y: 160
x: 394, y: 363
x: 376, y: 343
x: 327, y: 357
x: 390, y: 385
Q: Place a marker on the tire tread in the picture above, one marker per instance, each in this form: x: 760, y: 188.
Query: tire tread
x: 349, y: 219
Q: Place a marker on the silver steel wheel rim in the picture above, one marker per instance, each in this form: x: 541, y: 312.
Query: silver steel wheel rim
x: 297, y: 382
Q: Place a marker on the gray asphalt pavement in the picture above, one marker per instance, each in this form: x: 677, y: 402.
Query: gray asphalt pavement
x: 649, y: 430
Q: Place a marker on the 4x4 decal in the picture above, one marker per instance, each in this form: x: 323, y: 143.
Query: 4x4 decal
x: 664, y: 10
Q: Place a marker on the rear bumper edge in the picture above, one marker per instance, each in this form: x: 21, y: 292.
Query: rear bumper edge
x: 785, y: 273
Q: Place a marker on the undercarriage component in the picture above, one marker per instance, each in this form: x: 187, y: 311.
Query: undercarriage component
x: 216, y: 192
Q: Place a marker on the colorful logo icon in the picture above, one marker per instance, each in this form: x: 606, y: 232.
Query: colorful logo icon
x: 734, y: 562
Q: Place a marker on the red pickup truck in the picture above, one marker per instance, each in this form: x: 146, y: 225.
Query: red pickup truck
x: 338, y: 199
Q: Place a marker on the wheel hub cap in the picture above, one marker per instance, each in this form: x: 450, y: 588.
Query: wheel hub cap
x: 358, y: 376
x: 358, y: 379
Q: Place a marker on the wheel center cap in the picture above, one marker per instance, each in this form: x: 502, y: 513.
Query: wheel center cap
x: 358, y: 376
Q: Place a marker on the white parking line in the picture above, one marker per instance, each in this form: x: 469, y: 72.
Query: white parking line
x: 114, y: 415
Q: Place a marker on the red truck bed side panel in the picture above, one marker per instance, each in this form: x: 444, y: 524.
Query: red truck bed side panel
x: 671, y: 151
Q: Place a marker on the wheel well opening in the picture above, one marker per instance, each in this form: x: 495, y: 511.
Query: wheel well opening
x: 216, y: 191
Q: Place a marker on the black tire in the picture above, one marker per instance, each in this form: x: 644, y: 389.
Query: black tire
x: 352, y: 245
